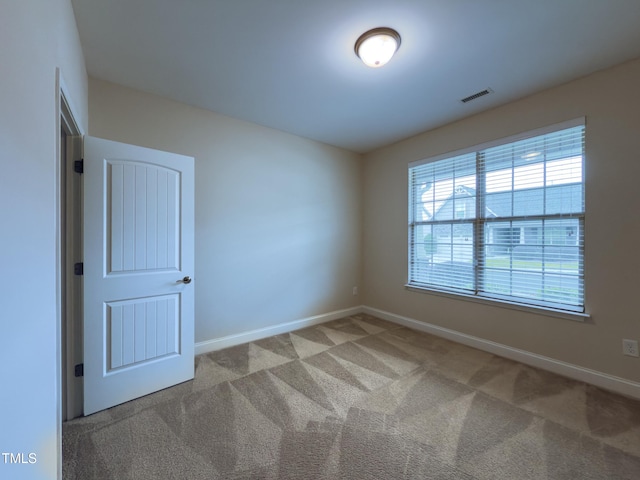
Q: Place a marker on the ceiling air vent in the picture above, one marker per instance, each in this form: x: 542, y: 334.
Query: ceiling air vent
x: 484, y: 92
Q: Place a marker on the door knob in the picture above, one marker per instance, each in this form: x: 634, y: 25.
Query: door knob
x: 185, y: 280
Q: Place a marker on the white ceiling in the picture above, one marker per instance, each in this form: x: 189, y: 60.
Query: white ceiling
x: 290, y: 64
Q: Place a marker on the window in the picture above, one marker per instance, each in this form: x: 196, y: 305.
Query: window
x: 504, y: 221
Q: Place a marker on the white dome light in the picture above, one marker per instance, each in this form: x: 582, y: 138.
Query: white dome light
x: 376, y: 47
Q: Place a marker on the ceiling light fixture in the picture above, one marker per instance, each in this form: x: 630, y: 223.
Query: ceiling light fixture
x: 376, y: 47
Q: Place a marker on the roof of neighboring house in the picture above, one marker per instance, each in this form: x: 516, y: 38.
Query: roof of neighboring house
x: 520, y: 203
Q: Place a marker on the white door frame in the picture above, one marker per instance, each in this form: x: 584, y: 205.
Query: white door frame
x: 68, y: 245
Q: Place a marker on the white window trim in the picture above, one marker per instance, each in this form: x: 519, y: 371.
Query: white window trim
x: 576, y: 122
x: 488, y: 300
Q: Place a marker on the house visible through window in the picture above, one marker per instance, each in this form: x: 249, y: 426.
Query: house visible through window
x: 503, y: 221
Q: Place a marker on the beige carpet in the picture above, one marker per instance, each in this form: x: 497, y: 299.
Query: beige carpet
x: 360, y: 398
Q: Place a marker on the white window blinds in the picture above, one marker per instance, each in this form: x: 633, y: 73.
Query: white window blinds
x: 505, y: 221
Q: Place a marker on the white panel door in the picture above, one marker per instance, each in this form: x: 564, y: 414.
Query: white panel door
x: 138, y: 264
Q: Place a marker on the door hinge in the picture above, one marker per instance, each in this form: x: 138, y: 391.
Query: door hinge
x: 79, y: 370
x: 78, y: 166
x: 78, y: 268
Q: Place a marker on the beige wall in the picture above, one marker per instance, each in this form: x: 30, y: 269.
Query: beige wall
x: 37, y: 37
x: 611, y: 104
x: 278, y: 217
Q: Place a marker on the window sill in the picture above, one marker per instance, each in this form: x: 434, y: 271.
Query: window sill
x: 546, y: 311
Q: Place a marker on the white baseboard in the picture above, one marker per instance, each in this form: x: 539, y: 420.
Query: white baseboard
x: 253, y: 335
x: 593, y: 377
